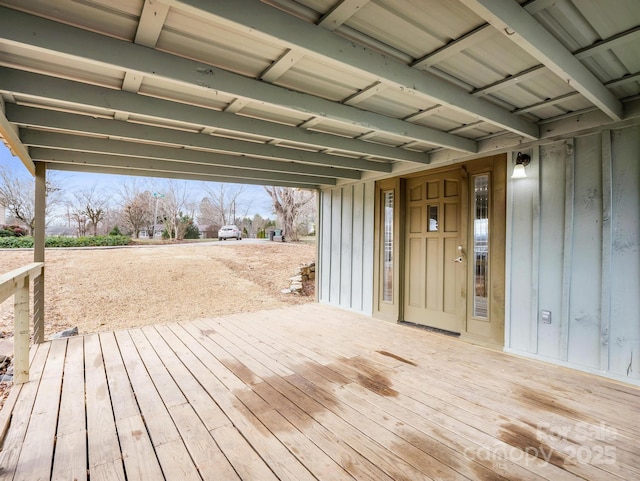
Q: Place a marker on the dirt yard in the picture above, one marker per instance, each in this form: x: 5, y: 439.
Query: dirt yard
x: 108, y: 289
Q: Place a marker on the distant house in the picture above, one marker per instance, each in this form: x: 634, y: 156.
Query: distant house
x: 61, y: 231
x: 209, y: 231
x: 149, y: 233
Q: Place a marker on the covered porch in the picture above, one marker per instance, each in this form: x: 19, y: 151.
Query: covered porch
x: 306, y: 393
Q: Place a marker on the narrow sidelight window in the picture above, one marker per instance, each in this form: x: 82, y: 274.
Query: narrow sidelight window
x: 387, y: 273
x: 481, y: 246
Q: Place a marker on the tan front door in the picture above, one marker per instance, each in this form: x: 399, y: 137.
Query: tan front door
x: 435, y: 264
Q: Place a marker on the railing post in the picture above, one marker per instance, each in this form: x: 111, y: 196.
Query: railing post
x: 21, y: 333
x: 38, y: 251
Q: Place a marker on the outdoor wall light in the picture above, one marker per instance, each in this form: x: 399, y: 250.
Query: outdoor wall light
x: 518, y: 169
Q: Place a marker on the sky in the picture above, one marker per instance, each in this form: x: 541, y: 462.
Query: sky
x: 255, y: 196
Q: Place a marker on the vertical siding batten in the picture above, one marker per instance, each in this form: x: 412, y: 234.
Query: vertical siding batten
x: 625, y: 283
x: 586, y: 270
x: 358, y: 239
x: 336, y: 246
x: 521, y: 253
x: 319, y: 235
x: 319, y: 216
x: 508, y: 253
x: 605, y: 302
x: 368, y: 242
x: 568, y: 250
x: 552, y: 228
x: 535, y: 249
x: 346, y: 248
x: 326, y: 264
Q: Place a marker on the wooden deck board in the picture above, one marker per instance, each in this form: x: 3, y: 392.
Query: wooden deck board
x: 202, y: 364
x: 137, y: 450
x: 310, y: 393
x: 14, y: 439
x: 36, y: 455
x: 144, y: 366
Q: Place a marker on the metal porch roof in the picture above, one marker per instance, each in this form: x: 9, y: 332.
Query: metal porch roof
x: 306, y: 93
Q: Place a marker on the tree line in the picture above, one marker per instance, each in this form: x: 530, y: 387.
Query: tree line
x: 141, y: 207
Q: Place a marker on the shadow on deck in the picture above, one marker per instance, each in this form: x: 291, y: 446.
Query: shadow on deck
x: 310, y: 393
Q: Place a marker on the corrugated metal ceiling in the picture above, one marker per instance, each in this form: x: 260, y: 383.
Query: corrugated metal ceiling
x: 361, y: 87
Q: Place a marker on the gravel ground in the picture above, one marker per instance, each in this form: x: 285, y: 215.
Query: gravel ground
x: 107, y: 289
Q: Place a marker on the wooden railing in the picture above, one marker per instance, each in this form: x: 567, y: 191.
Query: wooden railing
x: 16, y: 283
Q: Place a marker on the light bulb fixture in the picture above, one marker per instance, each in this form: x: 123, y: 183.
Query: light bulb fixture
x: 518, y: 170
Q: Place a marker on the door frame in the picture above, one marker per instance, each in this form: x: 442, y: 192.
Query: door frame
x: 385, y: 309
x: 488, y: 333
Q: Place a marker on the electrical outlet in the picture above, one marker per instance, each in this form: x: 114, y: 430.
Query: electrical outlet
x: 545, y: 317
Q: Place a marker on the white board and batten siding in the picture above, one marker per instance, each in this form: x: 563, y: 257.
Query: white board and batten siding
x: 346, y: 247
x: 574, y: 229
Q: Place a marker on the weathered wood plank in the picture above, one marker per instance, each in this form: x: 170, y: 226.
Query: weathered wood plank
x: 37, y: 449
x: 140, y: 461
x: 285, y: 391
x: 245, y: 460
x: 109, y: 471
x: 162, y: 430
x: 198, y: 360
x: 72, y: 408
x: 210, y: 353
x: 312, y: 456
x: 104, y: 454
x: 244, y: 352
x: 21, y: 415
x: 193, y: 431
x: 11, y: 281
x: 244, y: 349
x: 306, y: 397
x: 172, y: 454
x: 71, y: 436
x: 309, y: 393
x: 462, y: 361
x: 10, y: 402
x: 21, y: 332
x: 329, y: 441
x: 195, y: 394
x: 70, y: 460
x: 176, y: 462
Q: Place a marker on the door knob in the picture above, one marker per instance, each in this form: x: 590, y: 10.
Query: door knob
x: 457, y: 259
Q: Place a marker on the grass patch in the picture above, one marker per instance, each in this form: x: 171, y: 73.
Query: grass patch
x: 97, y: 241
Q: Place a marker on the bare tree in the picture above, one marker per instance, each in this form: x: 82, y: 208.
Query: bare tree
x: 287, y: 204
x: 112, y: 218
x: 17, y: 193
x: 258, y: 223
x: 176, y: 201
x: 80, y: 221
x: 137, y: 204
x: 90, y: 206
x: 224, y: 204
x: 207, y: 213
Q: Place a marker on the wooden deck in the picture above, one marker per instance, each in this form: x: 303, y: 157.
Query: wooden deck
x: 310, y: 393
